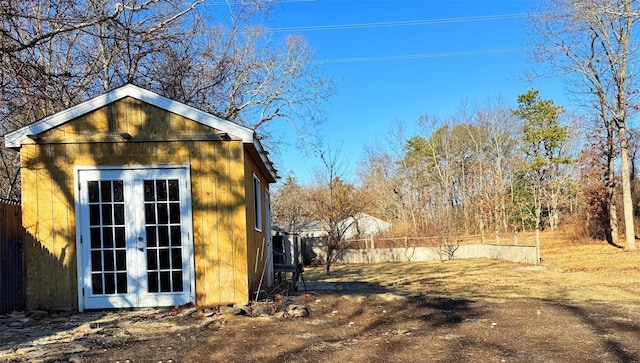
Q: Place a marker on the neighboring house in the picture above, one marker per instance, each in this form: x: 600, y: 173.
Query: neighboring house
x: 358, y: 226
x: 314, y: 236
x: 132, y: 199
x: 362, y: 225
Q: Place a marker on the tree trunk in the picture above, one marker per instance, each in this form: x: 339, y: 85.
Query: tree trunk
x: 627, y: 202
x: 612, y: 232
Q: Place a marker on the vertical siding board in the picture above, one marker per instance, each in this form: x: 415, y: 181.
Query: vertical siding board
x: 30, y: 157
x: 239, y: 218
x: 226, y: 261
x: 208, y: 159
x: 199, y: 239
x: 62, y: 201
x: 217, y: 164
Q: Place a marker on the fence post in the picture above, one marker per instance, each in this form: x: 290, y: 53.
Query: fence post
x: 497, y: 237
x: 483, y: 241
x: 515, y: 237
x: 373, y: 244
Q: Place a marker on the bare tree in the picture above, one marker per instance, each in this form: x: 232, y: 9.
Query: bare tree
x: 57, y: 54
x: 336, y: 204
x: 594, y: 41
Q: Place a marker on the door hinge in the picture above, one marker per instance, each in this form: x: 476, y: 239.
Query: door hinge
x: 83, y: 291
x: 79, y: 186
x: 81, y: 240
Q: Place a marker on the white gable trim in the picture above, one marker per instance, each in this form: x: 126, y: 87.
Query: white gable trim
x: 14, y: 139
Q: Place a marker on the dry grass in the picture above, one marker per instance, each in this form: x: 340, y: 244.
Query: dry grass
x: 569, y: 271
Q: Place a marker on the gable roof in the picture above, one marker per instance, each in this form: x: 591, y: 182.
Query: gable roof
x: 14, y: 139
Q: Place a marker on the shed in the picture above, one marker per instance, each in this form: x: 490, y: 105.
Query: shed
x: 132, y: 199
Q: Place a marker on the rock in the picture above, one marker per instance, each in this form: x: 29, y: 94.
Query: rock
x: 25, y: 350
x: 230, y: 310
x: 76, y: 347
x: 297, y: 311
x: 16, y: 324
x: 37, y: 353
x: 207, y: 313
x: 38, y: 314
x: 75, y: 359
x: 17, y: 315
x: 388, y: 296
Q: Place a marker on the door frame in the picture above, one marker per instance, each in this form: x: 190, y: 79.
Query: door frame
x: 187, y: 222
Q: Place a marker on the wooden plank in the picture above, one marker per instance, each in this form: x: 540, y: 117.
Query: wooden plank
x: 210, y: 199
x: 239, y: 203
x: 199, y: 237
x: 225, y: 200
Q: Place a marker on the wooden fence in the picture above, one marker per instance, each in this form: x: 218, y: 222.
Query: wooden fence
x: 508, y: 247
x: 11, y: 257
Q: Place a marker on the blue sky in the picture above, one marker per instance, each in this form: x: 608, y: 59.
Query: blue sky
x: 388, y: 73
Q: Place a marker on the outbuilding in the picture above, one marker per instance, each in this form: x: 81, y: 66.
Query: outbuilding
x: 132, y: 199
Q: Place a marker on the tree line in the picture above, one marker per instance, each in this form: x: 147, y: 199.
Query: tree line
x: 487, y: 169
x: 533, y: 166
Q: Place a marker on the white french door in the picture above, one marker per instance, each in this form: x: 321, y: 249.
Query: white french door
x: 135, y: 247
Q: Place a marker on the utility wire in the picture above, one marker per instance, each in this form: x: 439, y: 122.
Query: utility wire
x: 418, y: 56
x: 395, y: 23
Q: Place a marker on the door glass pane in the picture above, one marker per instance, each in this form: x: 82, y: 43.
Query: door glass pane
x: 149, y: 191
x: 177, y: 280
x: 105, y: 191
x: 152, y: 280
x: 109, y: 283
x: 122, y: 282
x: 118, y: 214
x: 163, y: 255
x: 96, y: 284
x: 96, y: 261
x: 176, y: 257
x: 174, y: 193
x: 161, y: 192
x: 107, y: 237
x: 163, y: 213
x: 108, y: 260
x: 165, y: 281
x: 151, y: 236
x: 120, y: 239
x: 150, y: 213
x: 106, y: 214
x: 118, y: 191
x: 176, y: 236
x: 163, y: 236
x: 94, y: 191
x: 174, y: 212
x: 94, y: 215
x: 96, y: 240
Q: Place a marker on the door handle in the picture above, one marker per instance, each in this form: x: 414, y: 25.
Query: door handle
x: 140, y: 249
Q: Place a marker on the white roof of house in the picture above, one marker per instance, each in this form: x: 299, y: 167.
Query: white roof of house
x: 14, y: 139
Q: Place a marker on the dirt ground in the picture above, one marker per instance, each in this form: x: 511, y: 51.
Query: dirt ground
x: 581, y: 305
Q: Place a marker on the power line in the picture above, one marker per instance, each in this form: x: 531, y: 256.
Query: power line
x: 395, y: 23
x: 418, y: 56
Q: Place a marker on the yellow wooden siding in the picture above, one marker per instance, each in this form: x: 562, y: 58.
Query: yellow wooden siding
x: 218, y: 201
x: 256, y: 239
x: 131, y: 116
